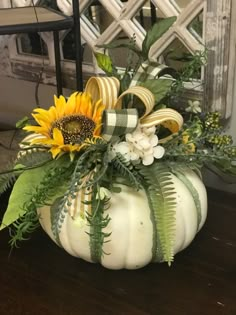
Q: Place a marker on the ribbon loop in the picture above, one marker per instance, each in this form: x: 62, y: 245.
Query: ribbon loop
x: 143, y: 94
x: 167, y: 117
x: 105, y: 88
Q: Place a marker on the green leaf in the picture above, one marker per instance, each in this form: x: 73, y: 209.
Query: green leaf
x: 24, y: 189
x: 155, y: 33
x: 21, y: 193
x: 105, y: 63
x: 22, y: 122
x: 159, y: 87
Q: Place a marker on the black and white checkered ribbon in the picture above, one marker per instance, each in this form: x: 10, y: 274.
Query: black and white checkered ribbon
x: 117, y: 122
x: 146, y: 71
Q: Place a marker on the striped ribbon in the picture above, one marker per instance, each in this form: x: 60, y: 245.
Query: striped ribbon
x: 118, y: 121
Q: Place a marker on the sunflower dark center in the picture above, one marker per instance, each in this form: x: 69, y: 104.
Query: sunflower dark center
x: 75, y: 128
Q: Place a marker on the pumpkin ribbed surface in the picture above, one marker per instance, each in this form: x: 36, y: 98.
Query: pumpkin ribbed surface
x: 132, y: 225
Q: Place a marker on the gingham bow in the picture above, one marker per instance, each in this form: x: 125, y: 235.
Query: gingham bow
x: 118, y: 121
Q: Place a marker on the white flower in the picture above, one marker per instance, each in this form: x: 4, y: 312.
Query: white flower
x: 194, y: 107
x: 126, y: 150
x: 103, y: 193
x: 140, y: 145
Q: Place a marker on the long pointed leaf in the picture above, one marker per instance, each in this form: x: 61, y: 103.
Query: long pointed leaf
x: 155, y: 33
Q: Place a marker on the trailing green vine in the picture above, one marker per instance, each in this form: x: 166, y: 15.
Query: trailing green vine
x: 98, y: 221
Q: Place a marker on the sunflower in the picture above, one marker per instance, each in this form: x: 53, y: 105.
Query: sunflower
x: 67, y: 125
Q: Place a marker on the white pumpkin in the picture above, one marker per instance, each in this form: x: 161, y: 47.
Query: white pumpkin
x: 131, y: 240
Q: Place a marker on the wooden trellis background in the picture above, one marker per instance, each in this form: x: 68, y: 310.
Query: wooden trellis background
x: 217, y: 38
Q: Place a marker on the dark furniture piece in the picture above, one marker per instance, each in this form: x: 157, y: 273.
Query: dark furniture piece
x: 39, y: 278
x: 41, y: 19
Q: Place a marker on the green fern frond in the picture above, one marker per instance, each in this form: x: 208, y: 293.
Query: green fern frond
x: 6, y: 181
x: 98, y: 221
x: 161, y: 196
x: 24, y: 226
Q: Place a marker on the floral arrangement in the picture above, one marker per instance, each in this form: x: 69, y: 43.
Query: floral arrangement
x: 118, y: 132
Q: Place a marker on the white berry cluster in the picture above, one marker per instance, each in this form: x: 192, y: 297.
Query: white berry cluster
x: 140, y: 145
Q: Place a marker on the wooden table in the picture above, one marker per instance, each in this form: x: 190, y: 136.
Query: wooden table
x: 40, y: 278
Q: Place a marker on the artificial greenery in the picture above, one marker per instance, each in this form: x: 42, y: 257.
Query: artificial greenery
x: 139, y: 65
x: 98, y: 221
x: 160, y: 192
x: 67, y: 156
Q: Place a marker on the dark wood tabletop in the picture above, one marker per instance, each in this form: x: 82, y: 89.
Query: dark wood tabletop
x: 40, y: 278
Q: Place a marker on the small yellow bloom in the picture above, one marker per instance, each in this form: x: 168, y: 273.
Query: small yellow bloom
x: 66, y: 126
x: 186, y: 140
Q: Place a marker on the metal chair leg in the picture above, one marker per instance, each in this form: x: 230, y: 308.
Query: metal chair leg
x: 57, y: 62
x: 78, y: 47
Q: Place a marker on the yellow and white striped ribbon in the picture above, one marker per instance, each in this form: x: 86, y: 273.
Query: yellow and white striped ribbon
x: 168, y: 117
x: 146, y: 97
x: 107, y: 89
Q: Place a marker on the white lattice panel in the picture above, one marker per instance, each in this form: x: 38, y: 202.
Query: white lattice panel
x: 216, y: 36
x: 123, y: 15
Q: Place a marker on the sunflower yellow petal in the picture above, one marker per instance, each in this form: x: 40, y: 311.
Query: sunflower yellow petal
x: 70, y: 108
x: 97, y: 130
x: 55, y: 151
x: 41, y: 121
x: 87, y: 105
x: 60, y: 104
x: 41, y: 111
x: 57, y: 136
x: 89, y: 109
x: 37, y: 129
x: 78, y: 100
x: 52, y: 112
x: 98, y: 109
